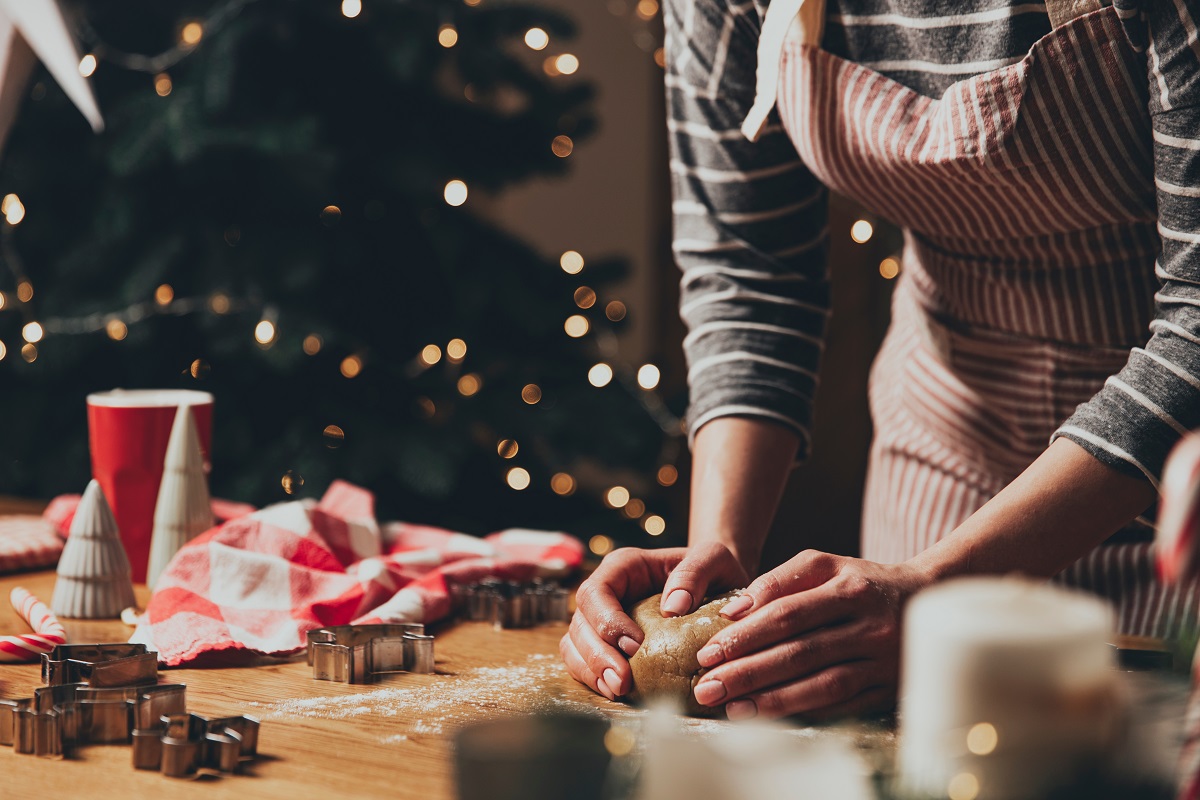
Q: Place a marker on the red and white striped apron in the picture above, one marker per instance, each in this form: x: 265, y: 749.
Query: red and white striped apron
x: 1028, y: 202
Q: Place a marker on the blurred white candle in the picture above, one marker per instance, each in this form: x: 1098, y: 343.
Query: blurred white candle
x: 1007, y: 688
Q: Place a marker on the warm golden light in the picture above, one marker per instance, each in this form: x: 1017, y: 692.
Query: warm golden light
x: 507, y: 448
x: 617, y: 496
x: 3, y: 299
x: 562, y: 146
x: 351, y: 366
x: 116, y: 330
x: 537, y: 39
x: 162, y: 84
x: 646, y: 9
x: 351, y: 8
x: 24, y: 291
x: 654, y: 525
x: 447, y: 36
x: 571, y: 262
x: 963, y: 786
x: 562, y: 484
x: 550, y: 68
x: 32, y: 332
x: 619, y: 741
x: 87, y: 65
x: 889, y: 268
x: 648, y: 376
x: 29, y: 352
x: 456, y: 193
x: 431, y: 354
x: 330, y: 215
x: 532, y: 394
x: 192, y: 33
x: 164, y: 294
x: 517, y: 478
x: 982, y: 739
x: 566, y: 64
x: 291, y: 481
x: 585, y: 297
x: 600, y: 375
x: 634, y: 508
x: 334, y: 436
x: 660, y: 57
x: 469, y: 384
x: 861, y: 231
x: 472, y: 2
x: 219, y: 303
x: 615, y: 311
x: 13, y: 209
x: 667, y: 475
x: 3, y: 351
x: 600, y: 545
x: 198, y: 369
x: 576, y: 326
x: 456, y: 350
x: 264, y: 331
x: 425, y: 407
x: 312, y: 344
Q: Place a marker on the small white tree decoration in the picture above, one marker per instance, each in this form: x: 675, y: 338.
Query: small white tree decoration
x: 183, y: 511
x: 93, y: 570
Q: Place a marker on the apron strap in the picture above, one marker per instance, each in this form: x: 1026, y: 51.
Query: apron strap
x: 776, y: 24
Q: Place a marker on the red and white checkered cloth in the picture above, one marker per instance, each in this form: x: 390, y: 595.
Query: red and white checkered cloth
x: 28, y: 542
x: 256, y: 584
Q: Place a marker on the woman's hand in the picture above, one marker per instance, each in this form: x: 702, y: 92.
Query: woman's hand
x: 602, y: 636
x: 817, y: 636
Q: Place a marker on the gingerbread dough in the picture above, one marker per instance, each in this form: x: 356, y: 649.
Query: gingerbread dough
x: 665, y: 666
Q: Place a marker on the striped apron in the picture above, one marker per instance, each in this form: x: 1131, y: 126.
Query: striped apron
x: 1028, y: 202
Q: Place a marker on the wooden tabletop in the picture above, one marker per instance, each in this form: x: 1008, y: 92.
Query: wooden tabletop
x: 318, y: 738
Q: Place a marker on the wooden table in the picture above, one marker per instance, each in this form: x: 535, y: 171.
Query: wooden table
x: 386, y: 739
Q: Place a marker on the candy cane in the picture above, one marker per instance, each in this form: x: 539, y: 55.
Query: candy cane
x: 47, y: 630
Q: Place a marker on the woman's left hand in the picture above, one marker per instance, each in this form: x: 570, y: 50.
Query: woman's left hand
x: 818, y: 636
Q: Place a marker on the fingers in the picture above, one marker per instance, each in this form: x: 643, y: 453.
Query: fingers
x: 705, y: 566
x: 807, y: 570
x: 623, y: 574
x: 601, y: 658
x: 827, y: 689
x: 783, y: 662
x: 779, y: 621
x: 579, y: 669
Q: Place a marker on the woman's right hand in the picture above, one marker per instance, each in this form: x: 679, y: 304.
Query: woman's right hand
x: 602, y: 636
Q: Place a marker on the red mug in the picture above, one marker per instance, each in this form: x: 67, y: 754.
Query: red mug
x: 127, y: 435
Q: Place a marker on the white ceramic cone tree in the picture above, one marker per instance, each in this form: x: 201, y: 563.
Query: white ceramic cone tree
x: 183, y: 511
x: 93, y: 570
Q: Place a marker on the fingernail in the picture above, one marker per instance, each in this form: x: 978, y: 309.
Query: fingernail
x: 677, y: 603
x: 741, y: 709
x: 604, y: 690
x: 613, y: 682
x: 710, y: 655
x: 710, y: 692
x: 628, y: 645
x: 737, y: 606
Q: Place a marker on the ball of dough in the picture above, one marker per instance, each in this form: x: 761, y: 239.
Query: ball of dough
x: 665, y: 666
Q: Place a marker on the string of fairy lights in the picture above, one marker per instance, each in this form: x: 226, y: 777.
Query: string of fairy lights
x: 640, y: 381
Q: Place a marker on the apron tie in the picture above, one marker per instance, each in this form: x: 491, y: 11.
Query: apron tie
x: 776, y: 23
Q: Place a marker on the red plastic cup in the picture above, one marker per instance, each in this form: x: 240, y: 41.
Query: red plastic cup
x: 127, y: 434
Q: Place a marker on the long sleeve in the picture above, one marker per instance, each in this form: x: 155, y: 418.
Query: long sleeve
x: 750, y: 229
x: 1141, y: 412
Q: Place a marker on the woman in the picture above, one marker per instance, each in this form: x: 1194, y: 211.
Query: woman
x: 1044, y: 163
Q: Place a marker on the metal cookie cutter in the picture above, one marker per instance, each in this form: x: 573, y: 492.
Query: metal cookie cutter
x: 180, y: 744
x: 511, y: 604
x: 360, y: 653
x: 100, y: 665
x: 57, y: 719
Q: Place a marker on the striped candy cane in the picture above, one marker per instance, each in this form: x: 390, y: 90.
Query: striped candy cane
x: 47, y: 630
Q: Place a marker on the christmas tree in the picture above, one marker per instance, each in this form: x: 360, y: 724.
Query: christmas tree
x: 279, y: 211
